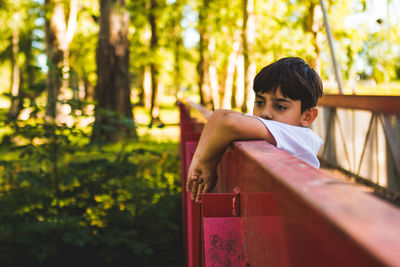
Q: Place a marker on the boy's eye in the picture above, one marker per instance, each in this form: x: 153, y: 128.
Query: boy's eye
x: 259, y: 103
x: 280, y: 107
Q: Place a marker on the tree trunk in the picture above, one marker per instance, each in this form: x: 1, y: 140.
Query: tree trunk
x: 213, y: 75
x: 154, y: 66
x: 239, y: 95
x: 15, y: 78
x: 202, y: 66
x: 147, y: 87
x: 248, y: 37
x: 29, y: 77
x: 177, y: 61
x: 54, y: 55
x: 113, y: 112
x: 230, y: 73
x: 314, y: 25
x: 139, y: 84
x: 59, y: 35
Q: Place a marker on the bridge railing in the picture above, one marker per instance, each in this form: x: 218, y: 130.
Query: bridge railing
x: 362, y: 137
x: 271, y: 209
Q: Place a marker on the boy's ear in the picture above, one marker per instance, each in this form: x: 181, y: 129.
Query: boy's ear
x: 308, y: 116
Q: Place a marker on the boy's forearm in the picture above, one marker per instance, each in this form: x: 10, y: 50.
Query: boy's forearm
x: 214, y: 120
x: 234, y: 127
x: 216, y: 137
x: 216, y: 145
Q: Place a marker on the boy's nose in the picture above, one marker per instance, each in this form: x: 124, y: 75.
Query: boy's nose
x: 266, y: 113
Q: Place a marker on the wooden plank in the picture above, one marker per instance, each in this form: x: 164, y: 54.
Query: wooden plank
x: 384, y: 104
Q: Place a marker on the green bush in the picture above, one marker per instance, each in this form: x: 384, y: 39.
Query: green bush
x: 64, y: 201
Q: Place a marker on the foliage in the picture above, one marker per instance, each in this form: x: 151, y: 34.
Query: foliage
x: 64, y: 201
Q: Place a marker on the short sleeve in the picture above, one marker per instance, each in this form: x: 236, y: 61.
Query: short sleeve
x: 301, y: 142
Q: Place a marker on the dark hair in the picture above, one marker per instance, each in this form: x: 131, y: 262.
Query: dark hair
x: 295, y: 79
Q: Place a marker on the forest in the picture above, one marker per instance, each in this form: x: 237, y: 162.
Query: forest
x: 89, y: 165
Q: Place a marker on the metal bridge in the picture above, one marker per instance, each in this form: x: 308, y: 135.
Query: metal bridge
x: 271, y: 209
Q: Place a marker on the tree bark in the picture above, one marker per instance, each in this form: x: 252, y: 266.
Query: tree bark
x: 202, y: 66
x: 177, y: 60
x: 239, y: 92
x: 113, y: 111
x: 15, y: 78
x: 314, y: 25
x: 59, y: 35
x: 248, y: 38
x: 213, y: 76
x: 154, y: 66
x: 230, y: 73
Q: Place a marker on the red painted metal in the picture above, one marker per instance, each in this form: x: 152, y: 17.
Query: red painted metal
x: 220, y: 205
x: 184, y: 118
x: 223, y: 240
x: 320, y: 221
x: 290, y: 214
x: 189, y: 136
x: 384, y: 104
x: 193, y: 215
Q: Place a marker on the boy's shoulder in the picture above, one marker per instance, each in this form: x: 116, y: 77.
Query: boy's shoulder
x: 295, y: 137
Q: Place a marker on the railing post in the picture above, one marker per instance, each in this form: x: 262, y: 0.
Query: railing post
x: 189, y: 136
x: 222, y: 230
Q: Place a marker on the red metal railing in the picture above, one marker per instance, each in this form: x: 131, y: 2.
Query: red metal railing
x: 362, y: 136
x: 382, y: 104
x: 271, y: 209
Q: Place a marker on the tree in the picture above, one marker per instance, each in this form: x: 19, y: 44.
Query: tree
x: 15, y: 91
x: 177, y: 43
x: 59, y: 33
x: 314, y: 25
x: 17, y: 49
x: 248, y: 38
x: 202, y: 66
x: 113, y: 112
x: 154, y: 65
x: 83, y: 58
x: 382, y: 44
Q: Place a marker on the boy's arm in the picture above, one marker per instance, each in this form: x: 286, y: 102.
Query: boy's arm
x: 232, y: 126
x: 215, y: 118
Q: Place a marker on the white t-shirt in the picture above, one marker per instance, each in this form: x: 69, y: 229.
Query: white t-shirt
x: 301, y: 142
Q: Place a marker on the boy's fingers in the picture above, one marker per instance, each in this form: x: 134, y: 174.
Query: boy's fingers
x: 199, y: 191
x: 188, y: 183
x: 194, y: 190
x: 206, y: 188
x: 190, y: 180
x: 196, y: 183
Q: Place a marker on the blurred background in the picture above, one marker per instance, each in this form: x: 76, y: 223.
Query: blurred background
x: 89, y: 128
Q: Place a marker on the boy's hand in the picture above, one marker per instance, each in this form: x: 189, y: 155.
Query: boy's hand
x: 201, y: 179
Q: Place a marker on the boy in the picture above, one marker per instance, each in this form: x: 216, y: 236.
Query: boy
x: 286, y: 95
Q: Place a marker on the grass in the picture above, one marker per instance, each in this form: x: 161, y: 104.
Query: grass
x: 169, y: 114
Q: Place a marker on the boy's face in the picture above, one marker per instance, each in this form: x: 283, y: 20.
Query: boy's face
x: 279, y: 108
